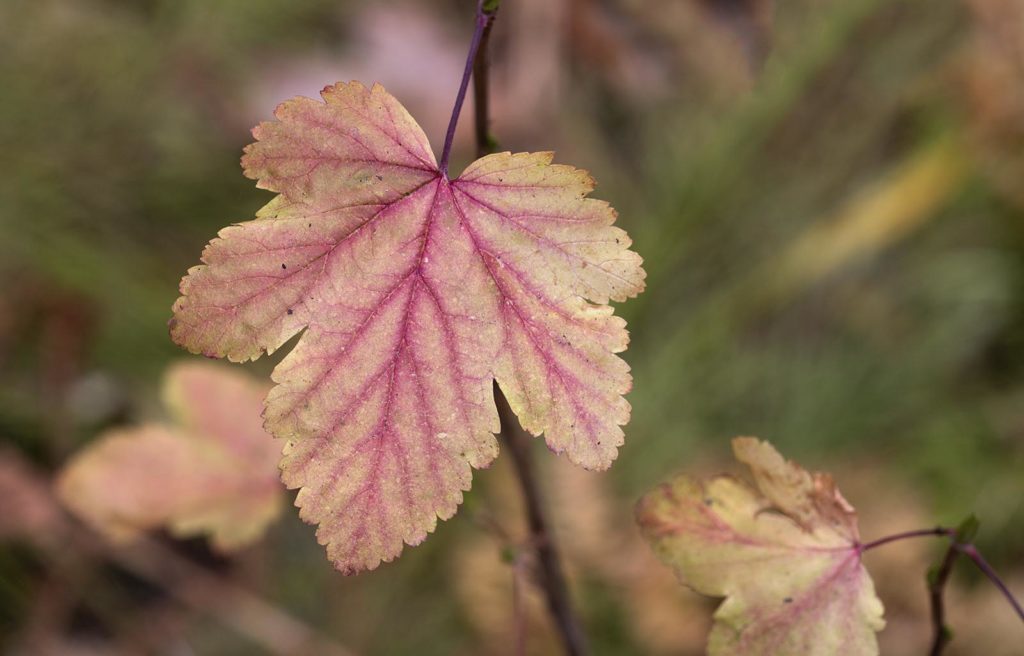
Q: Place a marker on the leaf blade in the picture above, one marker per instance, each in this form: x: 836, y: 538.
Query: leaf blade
x: 213, y: 473
x: 793, y: 582
x: 549, y: 250
x: 369, y: 251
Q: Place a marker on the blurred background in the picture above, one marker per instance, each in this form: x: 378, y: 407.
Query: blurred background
x: 829, y: 198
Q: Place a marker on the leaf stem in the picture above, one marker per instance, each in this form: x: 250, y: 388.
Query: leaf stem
x: 483, y: 20
x: 552, y: 580
x: 959, y: 543
x: 938, y: 531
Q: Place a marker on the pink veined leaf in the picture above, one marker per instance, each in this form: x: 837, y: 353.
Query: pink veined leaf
x: 214, y: 473
x: 786, y: 556
x: 414, y: 293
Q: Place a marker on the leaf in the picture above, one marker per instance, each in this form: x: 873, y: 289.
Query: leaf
x: 785, y: 556
x: 874, y: 220
x: 27, y: 508
x: 214, y: 473
x: 414, y: 292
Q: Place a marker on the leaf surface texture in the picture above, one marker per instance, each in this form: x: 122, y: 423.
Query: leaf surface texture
x: 413, y: 293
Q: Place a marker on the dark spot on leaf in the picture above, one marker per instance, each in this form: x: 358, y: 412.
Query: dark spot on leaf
x: 309, y: 225
x: 380, y: 177
x: 709, y: 502
x: 290, y: 311
x: 284, y: 266
x: 787, y: 600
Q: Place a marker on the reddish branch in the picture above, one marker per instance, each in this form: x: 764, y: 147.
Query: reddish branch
x: 939, y: 576
x: 971, y: 552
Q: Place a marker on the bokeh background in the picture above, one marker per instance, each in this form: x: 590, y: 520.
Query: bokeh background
x: 829, y: 197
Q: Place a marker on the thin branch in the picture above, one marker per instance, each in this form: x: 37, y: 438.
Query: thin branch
x: 959, y: 543
x: 200, y: 590
x: 971, y: 552
x: 481, y: 96
x: 937, y: 579
x: 552, y: 580
x: 197, y: 588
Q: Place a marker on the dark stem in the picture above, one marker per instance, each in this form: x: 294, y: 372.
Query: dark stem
x: 551, y: 578
x: 959, y: 543
x: 971, y: 552
x: 936, y: 586
x: 483, y: 19
x: 481, y: 95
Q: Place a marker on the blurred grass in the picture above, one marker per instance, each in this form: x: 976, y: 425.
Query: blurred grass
x: 830, y: 267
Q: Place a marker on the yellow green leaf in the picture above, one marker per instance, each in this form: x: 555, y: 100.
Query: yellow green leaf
x: 785, y: 554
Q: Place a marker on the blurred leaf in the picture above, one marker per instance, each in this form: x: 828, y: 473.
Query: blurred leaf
x: 27, y: 509
x: 785, y: 556
x: 991, y: 76
x: 213, y: 473
x: 884, y: 213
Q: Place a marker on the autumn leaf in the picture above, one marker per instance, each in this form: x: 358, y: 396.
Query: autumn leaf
x: 785, y: 556
x: 414, y: 293
x: 215, y: 472
x: 27, y: 509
